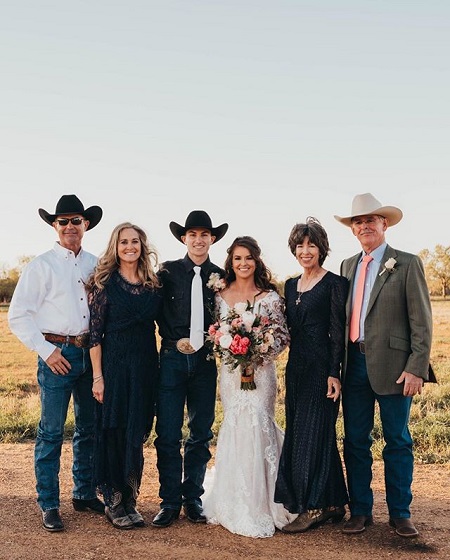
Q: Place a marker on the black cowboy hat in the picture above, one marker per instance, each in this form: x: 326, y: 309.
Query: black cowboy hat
x: 198, y: 219
x: 71, y: 204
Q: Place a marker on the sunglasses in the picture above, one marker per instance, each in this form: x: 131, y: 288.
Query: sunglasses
x: 73, y: 221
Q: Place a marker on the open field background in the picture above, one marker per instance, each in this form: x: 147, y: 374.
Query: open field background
x: 89, y: 536
x: 430, y: 415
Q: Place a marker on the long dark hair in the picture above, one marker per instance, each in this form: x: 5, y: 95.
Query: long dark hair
x: 263, y: 276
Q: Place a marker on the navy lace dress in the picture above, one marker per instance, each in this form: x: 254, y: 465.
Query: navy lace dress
x: 310, y: 474
x: 123, y: 321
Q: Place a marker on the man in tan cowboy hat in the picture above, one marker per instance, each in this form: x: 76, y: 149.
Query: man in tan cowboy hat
x: 187, y: 376
x: 49, y: 314
x: 389, y: 328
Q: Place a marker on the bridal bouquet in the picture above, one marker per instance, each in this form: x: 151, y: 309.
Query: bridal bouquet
x: 243, y: 339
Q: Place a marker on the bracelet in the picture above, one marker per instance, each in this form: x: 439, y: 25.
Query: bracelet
x: 95, y: 379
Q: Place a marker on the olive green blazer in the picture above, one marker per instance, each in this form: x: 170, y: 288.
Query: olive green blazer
x: 398, y: 324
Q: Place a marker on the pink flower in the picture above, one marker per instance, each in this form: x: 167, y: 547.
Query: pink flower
x: 213, y: 329
x: 240, y: 344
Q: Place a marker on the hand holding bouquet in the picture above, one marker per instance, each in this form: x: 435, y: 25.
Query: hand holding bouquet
x: 244, y: 339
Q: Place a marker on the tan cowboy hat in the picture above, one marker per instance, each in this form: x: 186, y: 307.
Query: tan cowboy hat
x: 198, y: 219
x: 365, y: 204
x: 71, y: 204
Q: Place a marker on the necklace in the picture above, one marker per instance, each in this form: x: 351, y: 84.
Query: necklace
x: 308, y: 286
x: 129, y: 281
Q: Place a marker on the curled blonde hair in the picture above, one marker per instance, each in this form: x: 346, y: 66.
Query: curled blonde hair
x: 109, y: 262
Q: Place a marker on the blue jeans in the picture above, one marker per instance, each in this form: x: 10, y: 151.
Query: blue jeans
x: 191, y: 380
x: 55, y: 391
x: 358, y: 401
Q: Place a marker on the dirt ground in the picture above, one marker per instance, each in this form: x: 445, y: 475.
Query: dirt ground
x: 89, y: 536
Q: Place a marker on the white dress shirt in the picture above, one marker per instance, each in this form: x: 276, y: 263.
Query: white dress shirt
x: 50, y: 297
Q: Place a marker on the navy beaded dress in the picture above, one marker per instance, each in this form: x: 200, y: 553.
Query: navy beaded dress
x: 123, y: 320
x: 310, y: 474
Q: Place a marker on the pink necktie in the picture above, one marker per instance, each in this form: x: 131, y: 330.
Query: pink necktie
x: 357, y: 304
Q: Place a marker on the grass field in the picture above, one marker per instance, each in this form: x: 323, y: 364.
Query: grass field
x: 430, y: 413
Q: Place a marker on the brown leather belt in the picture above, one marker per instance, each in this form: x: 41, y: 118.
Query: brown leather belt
x: 361, y: 347
x: 182, y: 345
x: 80, y: 340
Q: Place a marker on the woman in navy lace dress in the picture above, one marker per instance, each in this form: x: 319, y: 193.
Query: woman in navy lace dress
x: 310, y: 477
x: 124, y: 301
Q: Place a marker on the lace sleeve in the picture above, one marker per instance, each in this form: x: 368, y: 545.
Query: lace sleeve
x: 216, y: 311
x: 276, y: 310
x: 97, y: 300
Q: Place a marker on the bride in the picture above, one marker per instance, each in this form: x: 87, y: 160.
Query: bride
x: 240, y: 488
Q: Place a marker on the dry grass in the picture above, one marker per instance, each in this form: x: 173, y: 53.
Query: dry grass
x: 19, y: 391
x: 430, y: 413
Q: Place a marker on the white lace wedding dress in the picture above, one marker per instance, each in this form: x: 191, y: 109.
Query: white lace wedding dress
x: 239, y: 490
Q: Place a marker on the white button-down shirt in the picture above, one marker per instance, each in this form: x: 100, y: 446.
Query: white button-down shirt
x: 50, y: 297
x: 371, y: 275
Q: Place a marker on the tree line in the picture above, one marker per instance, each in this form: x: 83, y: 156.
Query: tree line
x: 436, y: 263
x: 437, y: 269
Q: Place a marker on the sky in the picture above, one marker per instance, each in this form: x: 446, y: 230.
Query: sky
x: 260, y: 112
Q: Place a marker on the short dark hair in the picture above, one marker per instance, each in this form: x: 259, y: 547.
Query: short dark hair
x: 315, y: 232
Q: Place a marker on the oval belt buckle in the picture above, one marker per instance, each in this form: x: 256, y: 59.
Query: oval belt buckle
x: 184, y: 346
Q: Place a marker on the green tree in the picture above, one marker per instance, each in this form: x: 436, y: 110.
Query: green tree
x: 9, y: 278
x: 437, y: 269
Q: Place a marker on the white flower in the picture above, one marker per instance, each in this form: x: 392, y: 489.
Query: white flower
x: 389, y: 266
x: 240, y: 307
x: 224, y: 328
x: 225, y: 341
x: 248, y: 319
x: 269, y: 339
x: 215, y: 282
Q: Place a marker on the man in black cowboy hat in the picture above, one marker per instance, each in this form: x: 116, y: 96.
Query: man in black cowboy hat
x: 49, y: 314
x: 187, y: 376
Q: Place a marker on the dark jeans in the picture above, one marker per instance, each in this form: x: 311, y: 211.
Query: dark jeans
x: 55, y: 392
x: 358, y: 400
x: 191, y: 380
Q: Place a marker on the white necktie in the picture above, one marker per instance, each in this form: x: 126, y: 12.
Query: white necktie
x: 197, y: 315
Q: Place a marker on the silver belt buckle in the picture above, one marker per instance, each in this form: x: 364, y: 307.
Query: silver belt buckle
x: 184, y: 346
